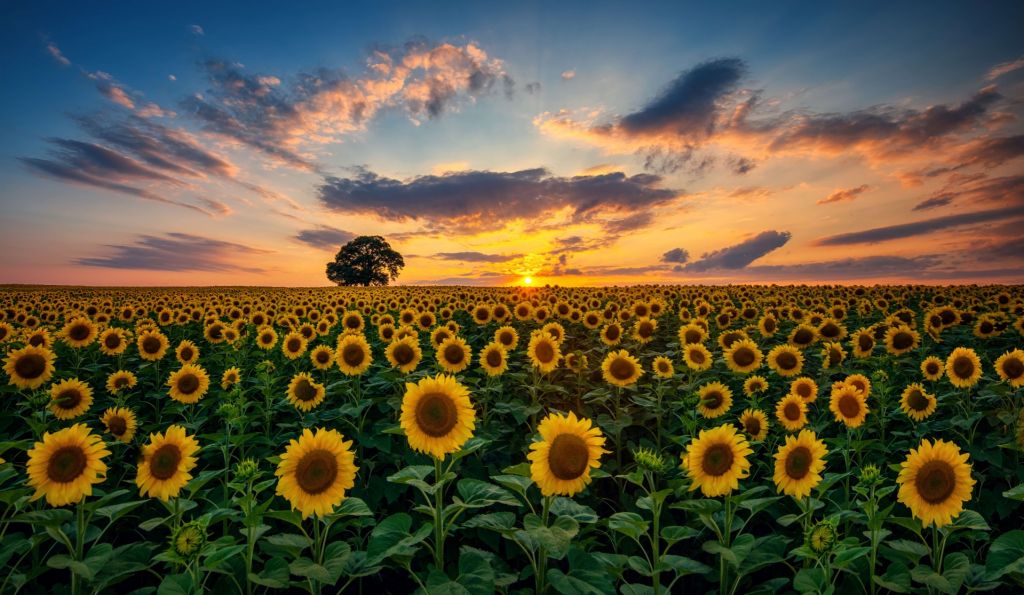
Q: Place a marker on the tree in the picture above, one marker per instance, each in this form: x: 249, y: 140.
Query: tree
x: 366, y: 260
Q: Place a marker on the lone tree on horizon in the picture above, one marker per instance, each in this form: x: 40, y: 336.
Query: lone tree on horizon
x: 366, y: 260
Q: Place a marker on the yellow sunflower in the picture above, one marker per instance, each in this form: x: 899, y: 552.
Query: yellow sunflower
x: 493, y: 359
x: 186, y: 352
x: 692, y: 333
x: 1010, y: 367
x: 560, y: 462
x: 849, y: 405
x: 611, y: 334
x: 166, y: 464
x: 322, y: 357
x: 315, y: 471
x: 859, y: 382
x: 716, y: 460
x: 755, y: 384
x: 863, y: 343
x: 266, y: 338
x: 66, y: 464
x: 119, y: 381
x: 963, y: 368
x: 152, y: 345
x: 29, y: 367
x: 743, y: 356
x: 755, y: 424
x: 353, y: 354
x: 230, y: 377
x: 79, y: 332
x: 543, y: 352
x: 507, y: 336
x: 120, y: 423
x: 832, y: 355
x: 901, y: 339
x: 113, y: 341
x: 437, y: 415
x: 799, y: 463
x: 935, y: 481
x: 662, y: 367
x: 806, y: 388
x: 697, y: 357
x: 917, y: 403
x: 454, y: 355
x: 621, y: 369
x: 932, y: 368
x: 715, y: 400
x: 791, y: 411
x: 304, y: 393
x: 294, y: 345
x: 404, y: 354
x: 786, y: 360
x: 188, y: 384
x: 643, y: 330
x: 70, y: 398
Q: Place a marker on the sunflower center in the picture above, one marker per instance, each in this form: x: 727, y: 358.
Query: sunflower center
x: 917, y: 401
x: 717, y: 459
x: 79, y: 332
x: 66, y: 464
x: 151, y: 345
x: 803, y: 337
x: 963, y: 367
x: 353, y: 354
x: 786, y: 360
x: 798, y: 463
x: 493, y: 358
x: 803, y: 390
x: 188, y: 383
x: 1013, y: 368
x: 865, y: 343
x: 304, y: 390
x: 436, y: 414
x: 622, y: 369
x: 322, y: 357
x: 164, y: 461
x: 849, y: 406
x: 117, y: 425
x: 505, y: 338
x: 612, y: 332
x: 316, y: 471
x: 935, y: 481
x: 744, y: 356
x: 294, y: 345
x: 902, y: 340
x: 791, y: 411
x: 646, y: 329
x: 266, y: 338
x: 112, y: 341
x: 663, y: 367
x: 121, y: 382
x: 932, y: 368
x: 568, y: 457
x: 352, y: 322
x: 403, y: 354
x: 752, y: 425
x: 31, y: 365
x: 69, y: 398
x: 697, y: 356
x: 186, y: 354
x: 453, y: 354
x: 713, y: 399
x: 544, y: 352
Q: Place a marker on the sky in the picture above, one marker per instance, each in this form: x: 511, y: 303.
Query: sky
x: 564, y: 143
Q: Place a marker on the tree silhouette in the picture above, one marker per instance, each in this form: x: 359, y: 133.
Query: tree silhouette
x: 366, y: 260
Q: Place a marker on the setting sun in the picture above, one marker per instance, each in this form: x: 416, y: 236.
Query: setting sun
x: 527, y: 280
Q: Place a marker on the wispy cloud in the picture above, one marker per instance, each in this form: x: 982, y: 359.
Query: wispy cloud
x: 325, y: 238
x: 177, y: 252
x: 844, y: 194
x: 476, y: 256
x: 738, y: 255
x: 56, y: 54
x: 1005, y: 68
x: 916, y: 228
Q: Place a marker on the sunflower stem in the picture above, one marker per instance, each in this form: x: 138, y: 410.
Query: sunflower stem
x: 438, y: 516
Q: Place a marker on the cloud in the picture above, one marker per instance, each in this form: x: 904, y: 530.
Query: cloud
x: 934, y: 202
x: 993, y: 152
x: 847, y: 194
x: 676, y: 255
x: 476, y: 256
x: 533, y: 88
x: 739, y: 255
x: 325, y: 238
x: 488, y: 199
x: 56, y: 54
x: 568, y: 75
x: 1005, y: 68
x: 176, y: 252
x: 196, y: 30
x: 916, y: 228
x: 977, y: 189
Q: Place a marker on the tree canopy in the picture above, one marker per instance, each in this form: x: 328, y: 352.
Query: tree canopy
x: 366, y: 260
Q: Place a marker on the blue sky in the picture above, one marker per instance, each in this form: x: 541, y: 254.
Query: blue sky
x: 571, y: 68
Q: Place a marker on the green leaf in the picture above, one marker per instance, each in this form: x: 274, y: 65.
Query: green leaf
x: 494, y: 521
x: 411, y: 473
x: 1005, y: 555
x: 927, y: 575
x: 568, y: 507
x: 475, y: 573
x: 220, y: 554
x: 293, y: 541
x: 683, y: 566
x: 628, y: 523
x: 556, y: 538
x: 810, y: 580
x: 116, y: 511
x: 478, y: 494
x: 306, y: 568
x: 274, y: 575
x: 335, y: 559
x: 175, y: 584
x: 896, y: 578
x: 848, y: 555
x: 1016, y: 493
x: 676, y: 533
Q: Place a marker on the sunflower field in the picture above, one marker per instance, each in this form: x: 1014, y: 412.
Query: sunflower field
x: 652, y: 439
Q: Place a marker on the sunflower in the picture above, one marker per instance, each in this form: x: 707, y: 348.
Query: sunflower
x: 621, y: 369
x: 294, y: 345
x: 791, y: 411
x: 832, y: 355
x: 322, y: 357
x: 120, y: 423
x: 662, y: 367
x: 66, y: 464
x: 187, y: 352
x: 917, y: 403
x: 849, y: 405
x: 859, y: 382
x: 493, y: 359
x: 754, y: 385
x: 715, y: 400
x: 507, y: 336
x: 543, y: 352
x: 29, y: 367
x: 119, y: 381
x: 643, y: 330
x: 230, y: 377
x: 152, y: 345
x: 80, y: 332
x: 901, y: 339
x: 437, y: 415
x: 576, y: 361
x: 799, y: 463
x: 315, y: 471
x: 692, y: 333
x: 304, y: 393
x: 755, y: 424
x: 188, y: 384
x: 404, y: 354
x: 935, y: 481
x: 803, y: 336
x: 113, y: 341
x: 560, y: 462
x: 266, y: 338
x: 932, y: 368
x: 743, y: 356
x: 697, y: 357
x: 963, y: 368
x: 611, y: 334
x: 353, y: 354
x: 863, y: 343
x: 806, y: 388
x: 786, y: 360
x: 166, y: 463
x: 1010, y: 367
x: 70, y: 398
x: 716, y: 460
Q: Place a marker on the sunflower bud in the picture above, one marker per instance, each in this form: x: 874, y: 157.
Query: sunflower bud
x: 822, y: 537
x: 869, y: 476
x: 649, y: 460
x: 189, y: 539
x: 246, y: 469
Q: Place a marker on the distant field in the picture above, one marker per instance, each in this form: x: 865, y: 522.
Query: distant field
x: 652, y: 439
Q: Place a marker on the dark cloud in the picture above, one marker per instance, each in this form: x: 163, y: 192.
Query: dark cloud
x: 676, y: 255
x: 475, y: 256
x: 325, y: 238
x: 916, y: 228
x: 176, y: 252
x: 993, y: 152
x: 741, y: 165
x: 487, y: 199
x: 844, y: 194
x: 739, y: 255
x: 940, y: 200
x: 533, y: 88
x: 633, y: 222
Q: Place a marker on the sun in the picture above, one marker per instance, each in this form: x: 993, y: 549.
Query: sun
x: 527, y: 280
